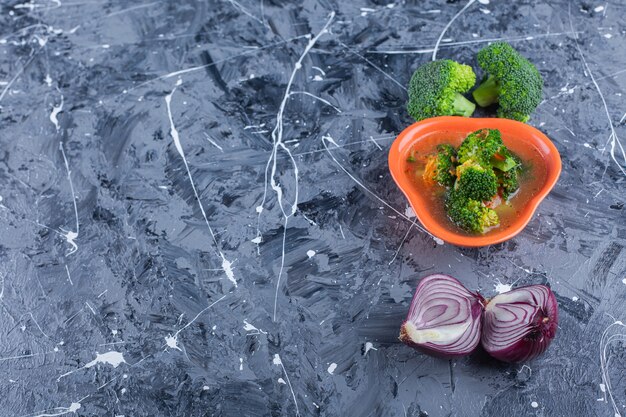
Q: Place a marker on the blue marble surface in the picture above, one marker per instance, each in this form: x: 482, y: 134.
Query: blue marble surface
x: 197, y: 219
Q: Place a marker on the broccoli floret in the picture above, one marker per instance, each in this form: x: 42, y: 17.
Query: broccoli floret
x: 435, y: 90
x: 504, y: 160
x: 475, y: 181
x: 470, y: 215
x: 509, y: 181
x: 486, y: 147
x: 512, y: 81
x: 480, y: 145
x: 440, y: 167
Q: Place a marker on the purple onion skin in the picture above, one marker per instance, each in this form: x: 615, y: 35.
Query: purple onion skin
x: 471, y: 336
x: 530, y: 340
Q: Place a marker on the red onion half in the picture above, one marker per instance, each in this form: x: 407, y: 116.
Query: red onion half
x: 520, y: 324
x: 444, y: 318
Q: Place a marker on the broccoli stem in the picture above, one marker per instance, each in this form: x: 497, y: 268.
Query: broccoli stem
x: 462, y: 106
x: 487, y: 93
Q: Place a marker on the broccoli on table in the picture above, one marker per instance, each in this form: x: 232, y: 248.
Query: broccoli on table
x: 512, y: 81
x: 485, y: 146
x: 475, y: 181
x: 440, y: 167
x: 469, y: 214
x: 435, y: 90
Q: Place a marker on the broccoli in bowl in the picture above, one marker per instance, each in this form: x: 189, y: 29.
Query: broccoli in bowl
x: 475, y: 179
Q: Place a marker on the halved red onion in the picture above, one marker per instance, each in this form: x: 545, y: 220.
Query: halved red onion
x: 520, y: 324
x: 444, y: 318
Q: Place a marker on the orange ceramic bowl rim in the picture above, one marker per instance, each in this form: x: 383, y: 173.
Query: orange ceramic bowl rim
x: 399, y: 151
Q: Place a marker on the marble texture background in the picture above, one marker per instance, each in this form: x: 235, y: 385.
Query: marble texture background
x: 197, y: 219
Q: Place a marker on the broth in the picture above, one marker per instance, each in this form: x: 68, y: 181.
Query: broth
x: 531, y: 179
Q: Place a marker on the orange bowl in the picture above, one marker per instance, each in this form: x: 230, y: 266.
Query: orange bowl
x: 512, y: 131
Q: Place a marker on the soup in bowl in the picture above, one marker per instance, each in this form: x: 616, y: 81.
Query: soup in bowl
x: 408, y: 161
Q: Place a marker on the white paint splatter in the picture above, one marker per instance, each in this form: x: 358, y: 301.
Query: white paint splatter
x: 257, y: 240
x: 251, y: 328
x: 369, y: 346
x: 624, y: 281
x: 226, y: 264
x: 90, y: 308
x: 409, y: 212
x: 277, y: 141
x: 310, y: 253
x: 213, y: 142
x: 608, y: 35
x: 278, y: 362
x: 483, y: 1
x: 534, y: 404
x: 53, y: 115
x: 281, y: 381
x: 69, y: 278
x: 228, y: 270
x: 48, y: 80
x: 501, y: 287
x: 574, y: 298
x: 69, y: 235
x: 376, y: 143
x: 317, y: 78
x: 73, y: 408
x: 318, y: 69
x: 395, y: 255
x: 331, y: 368
x: 112, y: 358
x: 469, y: 3
x: 241, y: 364
x: 615, y: 332
x: 598, y: 9
x: 41, y: 41
x: 172, y: 340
